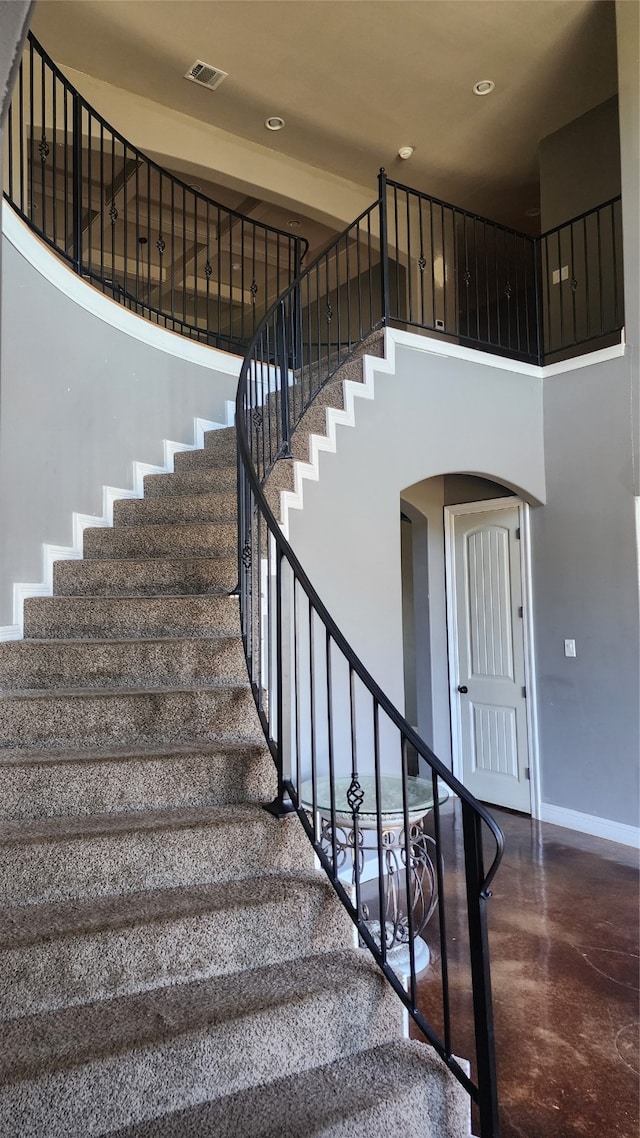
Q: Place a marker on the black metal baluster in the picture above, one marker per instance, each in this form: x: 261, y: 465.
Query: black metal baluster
x: 54, y: 144
x: 408, y: 871
x: 43, y: 147
x: 600, y: 288
x: 312, y: 713
x: 30, y: 210
x: 480, y: 974
x: 379, y: 832
x: 442, y: 920
x: 21, y: 124
x: 330, y: 756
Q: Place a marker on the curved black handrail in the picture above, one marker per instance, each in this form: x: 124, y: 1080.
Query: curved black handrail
x: 314, y: 695
x: 142, y: 235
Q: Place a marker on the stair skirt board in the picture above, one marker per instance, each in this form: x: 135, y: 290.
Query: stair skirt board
x: 335, y: 417
x: 80, y: 522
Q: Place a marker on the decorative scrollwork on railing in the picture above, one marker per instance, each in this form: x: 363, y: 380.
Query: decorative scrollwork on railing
x: 355, y: 795
x: 43, y: 147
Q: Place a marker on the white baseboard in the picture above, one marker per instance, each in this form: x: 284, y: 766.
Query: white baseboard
x: 591, y: 824
x: 81, y: 522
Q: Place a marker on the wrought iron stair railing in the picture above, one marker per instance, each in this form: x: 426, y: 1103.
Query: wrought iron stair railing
x: 350, y: 765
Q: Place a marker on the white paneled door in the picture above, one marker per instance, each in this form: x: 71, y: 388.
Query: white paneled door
x: 487, y: 665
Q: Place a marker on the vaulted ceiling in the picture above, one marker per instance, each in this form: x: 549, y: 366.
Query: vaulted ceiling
x: 357, y: 79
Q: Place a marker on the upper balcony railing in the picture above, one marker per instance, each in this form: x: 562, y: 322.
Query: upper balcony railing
x: 135, y: 231
x: 163, y: 249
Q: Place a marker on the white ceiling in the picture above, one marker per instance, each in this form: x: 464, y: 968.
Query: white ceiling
x: 356, y: 79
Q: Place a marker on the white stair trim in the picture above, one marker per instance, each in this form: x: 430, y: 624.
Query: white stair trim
x: 81, y: 522
x: 335, y: 417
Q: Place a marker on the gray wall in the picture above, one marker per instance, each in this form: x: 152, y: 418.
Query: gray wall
x: 580, y: 165
x: 436, y: 415
x: 586, y: 587
x: 80, y: 401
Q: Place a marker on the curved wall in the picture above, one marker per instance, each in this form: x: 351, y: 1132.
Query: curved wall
x: 87, y: 389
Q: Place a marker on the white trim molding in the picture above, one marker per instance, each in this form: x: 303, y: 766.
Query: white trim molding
x: 54, y: 270
x: 335, y: 417
x: 81, y: 522
x: 427, y: 343
x: 619, y: 832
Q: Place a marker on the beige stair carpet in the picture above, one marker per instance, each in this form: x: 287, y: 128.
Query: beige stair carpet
x: 171, y: 962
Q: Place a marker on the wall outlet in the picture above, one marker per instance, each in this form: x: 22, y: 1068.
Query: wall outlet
x: 560, y: 275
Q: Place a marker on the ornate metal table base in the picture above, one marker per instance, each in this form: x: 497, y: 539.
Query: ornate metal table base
x: 422, y: 874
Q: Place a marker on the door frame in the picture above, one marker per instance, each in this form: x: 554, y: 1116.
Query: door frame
x: 491, y: 505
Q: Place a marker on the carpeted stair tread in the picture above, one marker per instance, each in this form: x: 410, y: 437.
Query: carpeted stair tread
x: 60, y: 858
x: 188, y: 508
x: 36, y: 1045
x: 209, y: 459
x: 151, y: 576
x: 63, y: 829
x: 199, y: 539
x: 97, y: 617
x: 124, y: 663
x: 85, y: 780
x: 27, y: 925
x: 235, y: 749
x: 56, y: 955
x: 123, y: 716
x: 191, y: 482
x: 383, y: 1090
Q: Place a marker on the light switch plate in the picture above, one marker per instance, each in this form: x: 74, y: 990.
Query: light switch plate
x: 569, y: 647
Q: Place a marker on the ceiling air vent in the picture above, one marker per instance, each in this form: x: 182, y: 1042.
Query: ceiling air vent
x: 205, y: 75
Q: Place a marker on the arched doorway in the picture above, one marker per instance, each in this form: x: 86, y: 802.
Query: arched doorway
x: 468, y: 633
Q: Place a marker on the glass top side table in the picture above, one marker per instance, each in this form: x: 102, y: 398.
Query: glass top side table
x: 395, y: 844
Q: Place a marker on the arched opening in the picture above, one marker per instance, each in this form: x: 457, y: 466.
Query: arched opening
x: 442, y: 703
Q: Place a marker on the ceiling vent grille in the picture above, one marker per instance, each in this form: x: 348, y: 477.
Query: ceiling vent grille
x: 205, y: 75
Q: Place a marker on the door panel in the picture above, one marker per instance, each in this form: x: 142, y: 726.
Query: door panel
x: 491, y: 713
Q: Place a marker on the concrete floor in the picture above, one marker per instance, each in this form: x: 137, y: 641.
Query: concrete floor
x: 564, y: 923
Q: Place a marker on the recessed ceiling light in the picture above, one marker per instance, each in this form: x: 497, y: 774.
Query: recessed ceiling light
x: 483, y: 87
x: 194, y: 186
x: 405, y: 152
x: 236, y: 265
x: 294, y: 223
x: 274, y: 122
x: 533, y: 212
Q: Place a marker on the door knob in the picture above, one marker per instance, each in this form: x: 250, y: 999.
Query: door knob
x: 463, y: 689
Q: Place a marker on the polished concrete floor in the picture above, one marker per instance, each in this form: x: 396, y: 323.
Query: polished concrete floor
x: 564, y: 923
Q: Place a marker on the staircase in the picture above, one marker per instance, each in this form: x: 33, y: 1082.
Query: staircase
x: 171, y: 963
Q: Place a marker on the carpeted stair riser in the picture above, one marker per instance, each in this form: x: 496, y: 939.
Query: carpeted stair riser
x: 150, y: 577
x: 175, y: 511
x: 59, y: 859
x: 174, y: 1047
x: 123, y: 618
x: 401, y: 1088
x: 222, y: 443
x: 99, y: 949
x: 191, y: 482
x: 121, y: 663
x: 203, y: 539
x: 76, y: 718
x: 85, y: 781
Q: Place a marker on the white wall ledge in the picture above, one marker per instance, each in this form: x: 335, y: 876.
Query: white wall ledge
x: 53, y: 269
x: 425, y: 343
